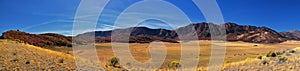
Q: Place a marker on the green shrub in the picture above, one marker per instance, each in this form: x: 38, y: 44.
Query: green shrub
x: 27, y: 62
x: 282, y: 58
x: 174, y: 64
x: 287, y: 54
x: 279, y: 53
x: 15, y: 60
x: 114, y: 61
x: 61, y: 60
x: 271, y: 54
x: 292, y: 51
x: 259, y: 57
x: 265, y: 62
x: 14, y: 53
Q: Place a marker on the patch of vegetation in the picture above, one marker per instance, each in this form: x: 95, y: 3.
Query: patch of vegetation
x: 282, y: 58
x: 292, y: 51
x: 287, y: 54
x: 265, y: 62
x: 14, y: 53
x: 27, y: 62
x: 174, y: 64
x: 61, y: 61
x: 279, y: 53
x: 15, y: 60
x: 259, y: 57
x: 271, y: 54
x: 114, y: 61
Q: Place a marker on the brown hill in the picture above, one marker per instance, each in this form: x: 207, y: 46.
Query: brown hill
x: 137, y: 35
x: 42, y: 40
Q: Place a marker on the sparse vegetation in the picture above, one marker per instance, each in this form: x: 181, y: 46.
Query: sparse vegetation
x: 265, y: 62
x: 292, y: 51
x: 114, y: 61
x: 61, y: 61
x: 271, y: 54
x: 282, y: 58
x: 259, y: 57
x: 27, y: 62
x: 279, y: 53
x: 174, y: 64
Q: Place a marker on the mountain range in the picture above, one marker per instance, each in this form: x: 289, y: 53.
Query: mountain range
x: 234, y: 32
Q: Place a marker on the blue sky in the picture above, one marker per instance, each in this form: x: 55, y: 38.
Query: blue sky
x: 56, y: 16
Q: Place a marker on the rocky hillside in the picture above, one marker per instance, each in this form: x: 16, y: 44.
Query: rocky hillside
x: 42, y: 40
x: 234, y: 32
x: 292, y: 35
x: 137, y: 35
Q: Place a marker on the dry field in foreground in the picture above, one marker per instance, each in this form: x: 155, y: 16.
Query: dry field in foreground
x: 16, y: 56
x: 235, y: 52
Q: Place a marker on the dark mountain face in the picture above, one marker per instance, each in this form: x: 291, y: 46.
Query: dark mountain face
x: 42, y: 40
x: 291, y: 35
x: 252, y: 34
x: 234, y: 32
x: 134, y: 34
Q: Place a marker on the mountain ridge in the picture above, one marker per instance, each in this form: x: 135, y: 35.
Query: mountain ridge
x: 234, y: 32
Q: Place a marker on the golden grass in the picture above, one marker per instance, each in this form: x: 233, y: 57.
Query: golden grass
x: 236, y: 51
x: 20, y: 56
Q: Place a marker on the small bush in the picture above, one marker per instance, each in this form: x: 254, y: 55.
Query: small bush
x: 27, y: 62
x: 14, y: 53
x: 114, y: 61
x: 271, y: 54
x: 61, y: 61
x: 282, y: 58
x: 265, y: 62
x: 259, y: 57
x: 279, y: 53
x: 15, y: 60
x: 287, y: 54
x: 292, y: 51
x: 174, y: 64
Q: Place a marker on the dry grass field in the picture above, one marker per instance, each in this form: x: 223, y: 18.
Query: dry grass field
x: 239, y: 56
x: 235, y: 52
x: 15, y: 56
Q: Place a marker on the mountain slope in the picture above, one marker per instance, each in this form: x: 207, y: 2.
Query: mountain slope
x: 134, y: 34
x: 234, y: 32
x: 42, y: 40
x: 292, y: 35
